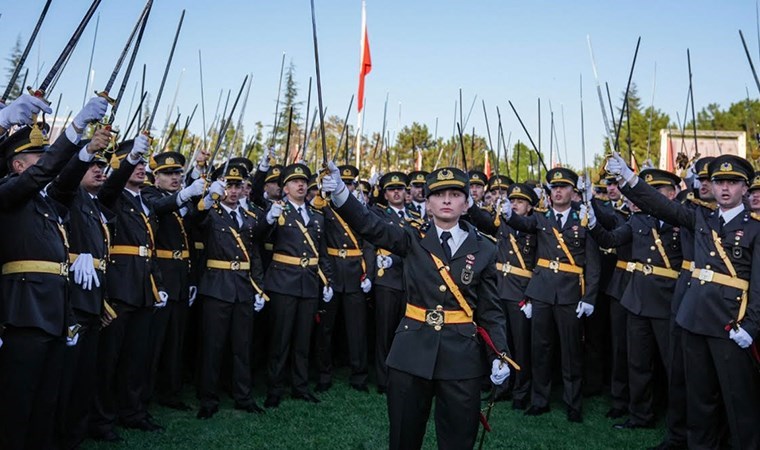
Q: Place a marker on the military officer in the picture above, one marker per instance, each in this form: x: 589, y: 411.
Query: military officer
x: 720, y: 377
x: 299, y: 264
x: 478, y: 182
x: 34, y: 308
x: 562, y: 290
x: 435, y: 352
x: 135, y: 290
x: 230, y: 288
x: 417, y: 191
x: 515, y: 263
x: 754, y: 194
x: 349, y: 261
x: 654, y: 266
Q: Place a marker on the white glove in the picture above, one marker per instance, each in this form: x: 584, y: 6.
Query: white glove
x: 359, y: 196
x: 584, y: 309
x: 139, y: 148
x: 84, y: 272
x: 366, y: 285
x: 217, y: 187
x: 332, y: 182
x: 327, y: 294
x: 506, y: 209
x: 258, y: 302
x: 72, y: 341
x: 21, y: 110
x: 374, y: 178
x: 2, y: 106
x: 741, y: 337
x: 384, y: 262
x: 499, y: 372
x: 1, y: 339
x: 264, y: 160
x: 93, y: 111
x: 527, y: 309
x: 193, y: 294
x: 616, y: 165
x: 164, y: 297
x: 275, y: 211
x: 591, y: 215
x: 194, y: 190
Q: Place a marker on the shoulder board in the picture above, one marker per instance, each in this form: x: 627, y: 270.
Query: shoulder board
x: 250, y: 213
x: 315, y: 210
x: 487, y: 236
x: 488, y: 208
x: 755, y: 216
x: 704, y: 204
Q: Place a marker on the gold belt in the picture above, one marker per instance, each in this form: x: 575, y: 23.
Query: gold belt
x: 268, y: 246
x: 622, y: 265
x: 172, y: 254
x: 198, y: 245
x: 344, y: 252
x: 648, y: 269
x: 228, y: 265
x: 295, y: 261
x: 99, y: 264
x: 436, y: 317
x: 559, y: 266
x: 708, y: 276
x: 132, y: 250
x: 508, y: 268
x: 31, y: 266
x: 687, y: 265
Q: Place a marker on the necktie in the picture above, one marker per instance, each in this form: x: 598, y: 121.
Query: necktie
x: 401, y: 214
x: 233, y: 214
x: 445, y: 236
x: 305, y: 220
x: 559, y: 221
x: 721, y: 222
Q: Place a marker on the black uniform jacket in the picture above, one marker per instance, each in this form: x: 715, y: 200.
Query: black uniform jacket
x: 511, y: 286
x: 560, y: 287
x: 647, y: 294
x: 129, y: 276
x: 708, y: 307
x: 453, y: 352
x: 32, y: 229
x: 348, y: 271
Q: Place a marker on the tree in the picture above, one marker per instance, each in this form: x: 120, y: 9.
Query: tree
x: 13, y: 61
x: 289, y: 100
x: 742, y: 115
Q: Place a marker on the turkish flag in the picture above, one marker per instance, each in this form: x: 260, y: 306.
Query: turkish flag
x: 366, y: 60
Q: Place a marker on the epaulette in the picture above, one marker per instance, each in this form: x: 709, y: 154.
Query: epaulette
x: 541, y: 210
x: 251, y: 213
x: 315, y: 209
x: 755, y: 216
x: 709, y: 205
x: 487, y: 236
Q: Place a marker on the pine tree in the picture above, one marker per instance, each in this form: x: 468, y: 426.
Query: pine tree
x: 13, y: 61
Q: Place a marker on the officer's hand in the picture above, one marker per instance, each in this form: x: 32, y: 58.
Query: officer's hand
x: 506, y: 209
x: 194, y: 190
x: 100, y: 140
x: 163, y: 298
x: 499, y: 372
x: 584, y: 309
x: 93, y: 111
x: 327, y: 294
x: 21, y: 110
x: 374, y: 178
x: 527, y: 308
x: 359, y: 196
x: 384, y: 262
x: 275, y: 211
x: 139, y: 148
x: 366, y: 285
x: 201, y: 158
x: 73, y: 336
x: 741, y: 337
x: 192, y: 294
x: 264, y: 160
x: 258, y: 302
x: 84, y: 271
x: 616, y: 165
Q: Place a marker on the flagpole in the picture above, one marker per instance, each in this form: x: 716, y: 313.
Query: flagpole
x: 365, y: 65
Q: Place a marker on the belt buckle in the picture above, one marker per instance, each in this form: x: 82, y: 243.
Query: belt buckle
x: 630, y: 267
x: 506, y: 268
x: 63, y: 270
x: 342, y: 253
x: 706, y: 275
x: 142, y: 251
x: 554, y: 265
x: 691, y: 266
x: 177, y: 254
x: 101, y: 264
x: 235, y: 265
x: 304, y: 262
x: 647, y: 269
x: 434, y: 318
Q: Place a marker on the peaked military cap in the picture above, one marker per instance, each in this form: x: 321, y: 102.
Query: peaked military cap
x: 478, y: 177
x: 295, y: 171
x: 312, y: 182
x: 447, y: 178
x: 701, y: 166
x: 730, y: 167
x: 522, y: 191
x: 234, y: 173
x: 364, y: 186
x: 499, y: 182
x: 417, y: 177
x: 394, y: 180
x: 273, y: 174
x: 755, y: 182
x: 561, y: 176
x: 348, y: 173
x: 659, y: 177
x: 169, y: 162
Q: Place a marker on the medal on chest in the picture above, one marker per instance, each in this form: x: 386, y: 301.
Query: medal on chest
x: 467, y: 272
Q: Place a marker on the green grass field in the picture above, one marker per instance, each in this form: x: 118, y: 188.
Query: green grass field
x: 347, y: 419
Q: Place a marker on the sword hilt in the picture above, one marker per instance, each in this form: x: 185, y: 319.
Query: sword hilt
x: 39, y: 93
x: 104, y: 94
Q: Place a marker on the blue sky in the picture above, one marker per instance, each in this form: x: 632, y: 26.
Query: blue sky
x: 422, y: 53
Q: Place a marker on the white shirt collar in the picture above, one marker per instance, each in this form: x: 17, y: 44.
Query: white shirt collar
x: 458, y: 235
x: 227, y: 208
x: 564, y: 213
x: 398, y: 210
x: 728, y: 215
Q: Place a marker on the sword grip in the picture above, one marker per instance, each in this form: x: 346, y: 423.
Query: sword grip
x: 104, y: 94
x: 37, y: 93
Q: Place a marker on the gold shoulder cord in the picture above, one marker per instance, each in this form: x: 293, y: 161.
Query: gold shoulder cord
x: 351, y: 236
x: 660, y: 248
x: 444, y: 272
x: 732, y: 271
x: 570, y: 258
x: 313, y: 249
x: 256, y: 287
x: 516, y: 249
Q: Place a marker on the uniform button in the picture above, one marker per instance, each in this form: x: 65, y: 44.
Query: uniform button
x: 442, y: 288
x: 707, y: 267
x: 305, y: 242
x: 345, y: 246
x: 712, y: 253
x: 304, y: 253
x: 406, y: 327
x: 649, y: 260
x: 511, y: 252
x: 652, y: 248
x: 559, y: 246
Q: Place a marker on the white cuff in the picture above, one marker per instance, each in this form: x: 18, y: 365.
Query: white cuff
x: 196, y: 173
x: 72, y: 135
x: 340, y: 198
x: 134, y: 161
x: 84, y: 155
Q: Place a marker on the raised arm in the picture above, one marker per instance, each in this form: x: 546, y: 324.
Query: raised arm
x: 652, y: 202
x: 607, y: 239
x: 482, y: 220
x: 371, y: 227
